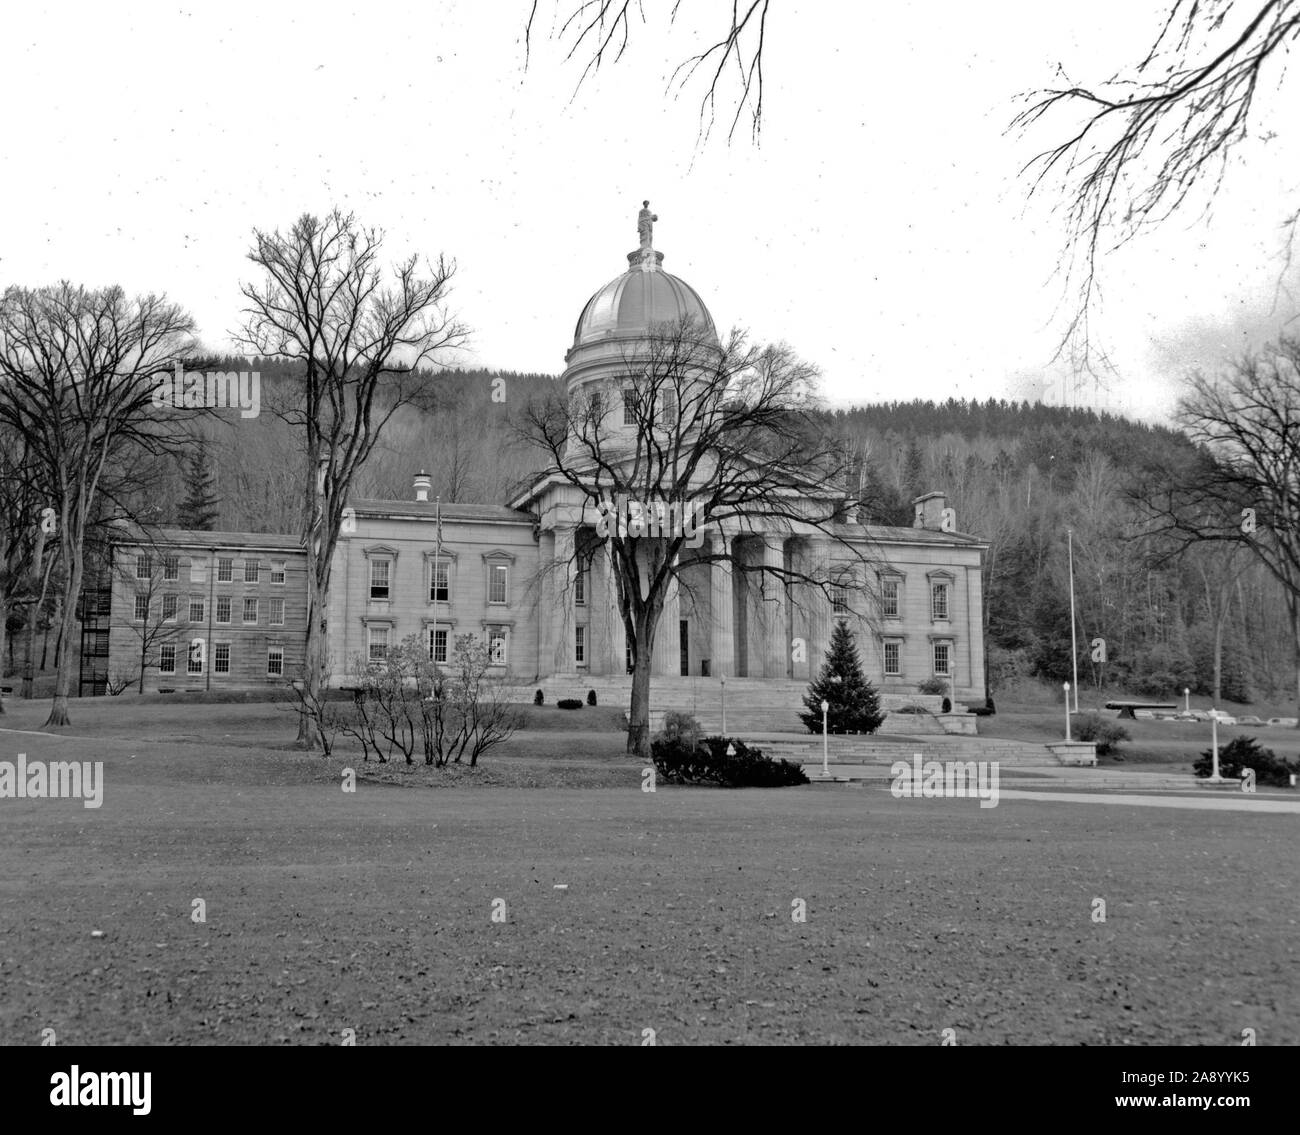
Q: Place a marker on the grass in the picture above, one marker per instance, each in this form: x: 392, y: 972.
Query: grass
x: 371, y: 910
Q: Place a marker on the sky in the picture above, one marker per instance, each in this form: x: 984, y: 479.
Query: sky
x: 881, y: 226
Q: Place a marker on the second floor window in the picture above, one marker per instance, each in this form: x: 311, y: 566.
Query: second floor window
x: 839, y: 600
x: 225, y: 570
x: 223, y: 608
x: 277, y: 612
x: 277, y: 571
x: 939, y: 601
x: 252, y: 571
x: 197, y: 608
x: 141, y: 608
x: 497, y: 583
x: 250, y: 610
x: 439, y: 582
x: 143, y: 568
x: 171, y: 567
x: 889, y: 598
x: 379, y: 571
x: 169, y: 608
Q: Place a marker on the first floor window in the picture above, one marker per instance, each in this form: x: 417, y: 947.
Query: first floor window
x: 939, y: 601
x: 277, y: 612
x: 221, y: 658
x: 379, y: 579
x: 580, y: 645
x: 377, y: 644
x: 141, y: 608
x: 274, y: 661
x: 941, y: 658
x: 629, y: 407
x: 498, y: 644
x: 893, y: 659
x: 167, y: 658
x: 437, y: 645
x: 250, y: 610
x: 194, y: 663
x: 889, y: 598
x: 169, y: 607
x: 580, y: 586
x: 198, y: 605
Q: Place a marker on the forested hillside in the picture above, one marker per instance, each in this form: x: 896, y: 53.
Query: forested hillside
x: 1018, y: 475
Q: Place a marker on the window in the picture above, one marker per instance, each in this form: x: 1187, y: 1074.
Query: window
x: 497, y: 583
x: 889, y: 598
x: 379, y: 578
x: 171, y: 567
x: 596, y: 405
x: 252, y: 571
x: 277, y: 571
x: 167, y: 658
x: 439, y: 582
x: 225, y: 570
x: 498, y: 645
x: 668, y: 412
x: 274, y: 661
x: 221, y: 658
x: 580, y: 645
x: 223, y: 608
x: 250, y: 610
x: 941, y: 666
x: 377, y: 643
x: 939, y: 601
x: 197, y: 608
x: 141, y: 608
x: 277, y: 612
x: 580, y: 587
x: 169, y: 608
x: 143, y: 568
x: 629, y: 407
x: 893, y: 659
x: 198, y: 571
x: 194, y: 663
x: 437, y: 645
x: 839, y: 600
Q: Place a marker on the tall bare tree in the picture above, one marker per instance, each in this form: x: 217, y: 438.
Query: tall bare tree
x: 78, y: 370
x: 1144, y: 144
x: 325, y: 303
x: 730, y: 430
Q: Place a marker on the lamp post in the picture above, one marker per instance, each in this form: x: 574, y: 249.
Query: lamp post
x: 724, y: 705
x: 1074, y: 649
x: 1214, y: 746
x: 1187, y: 705
x: 1067, y: 710
x: 825, y: 767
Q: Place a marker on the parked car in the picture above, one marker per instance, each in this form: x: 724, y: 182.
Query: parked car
x: 1221, y: 717
x: 1250, y: 719
x: 1288, y: 722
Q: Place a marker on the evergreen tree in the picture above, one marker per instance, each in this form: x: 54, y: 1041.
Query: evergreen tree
x: 201, y: 506
x: 854, y: 703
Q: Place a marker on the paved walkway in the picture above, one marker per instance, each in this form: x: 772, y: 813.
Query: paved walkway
x: 1211, y: 801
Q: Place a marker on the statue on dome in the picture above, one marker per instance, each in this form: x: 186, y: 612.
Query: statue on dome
x: 645, y: 228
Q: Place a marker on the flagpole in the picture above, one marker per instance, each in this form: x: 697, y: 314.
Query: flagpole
x: 437, y: 567
x: 1074, y: 648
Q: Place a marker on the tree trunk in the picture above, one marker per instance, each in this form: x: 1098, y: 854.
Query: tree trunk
x: 4, y: 618
x: 638, y: 715
x: 63, y: 678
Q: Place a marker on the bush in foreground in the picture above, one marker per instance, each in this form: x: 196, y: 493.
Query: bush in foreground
x: 708, y: 762
x: 1093, y: 727
x: 569, y: 703
x: 591, y: 697
x: 1243, y: 753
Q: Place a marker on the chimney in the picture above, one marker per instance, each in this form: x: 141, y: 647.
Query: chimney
x: 929, y: 511
x: 423, y: 483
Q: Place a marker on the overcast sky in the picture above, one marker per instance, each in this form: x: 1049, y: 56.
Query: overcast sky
x: 880, y: 227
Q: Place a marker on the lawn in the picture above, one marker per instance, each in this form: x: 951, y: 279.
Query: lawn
x: 372, y: 910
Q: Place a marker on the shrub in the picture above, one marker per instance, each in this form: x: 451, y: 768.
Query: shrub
x: 932, y: 685
x: 539, y: 698
x: 1093, y: 727
x: 913, y: 709
x: 569, y: 703
x: 680, y: 727
x: 708, y: 762
x: 591, y: 697
x: 1243, y: 753
x: 947, y: 705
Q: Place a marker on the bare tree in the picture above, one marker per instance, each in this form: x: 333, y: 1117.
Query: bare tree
x: 324, y: 303
x: 19, y: 525
x: 1138, y: 146
x: 78, y: 370
x: 728, y: 432
x: 600, y: 31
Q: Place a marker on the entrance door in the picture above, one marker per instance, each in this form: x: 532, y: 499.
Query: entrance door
x: 686, y: 647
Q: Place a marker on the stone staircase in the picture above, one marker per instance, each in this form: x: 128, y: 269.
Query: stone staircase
x: 870, y: 757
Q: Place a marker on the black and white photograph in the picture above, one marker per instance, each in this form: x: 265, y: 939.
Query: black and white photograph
x: 610, y: 523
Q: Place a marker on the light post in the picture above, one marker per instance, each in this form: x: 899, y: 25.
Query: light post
x: 1187, y: 705
x: 1067, y: 710
x: 724, y: 705
x: 825, y: 767
x: 1074, y: 649
x: 1214, y: 746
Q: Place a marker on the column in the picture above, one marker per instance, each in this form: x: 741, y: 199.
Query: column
x: 616, y: 637
x: 819, y: 608
x: 668, y: 637
x: 562, y: 606
x: 722, y: 641
x: 776, y: 641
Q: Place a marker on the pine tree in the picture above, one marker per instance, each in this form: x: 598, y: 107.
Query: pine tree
x: 201, y: 506
x: 854, y: 703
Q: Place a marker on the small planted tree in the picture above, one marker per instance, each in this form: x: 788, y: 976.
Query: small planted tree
x: 854, y: 704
